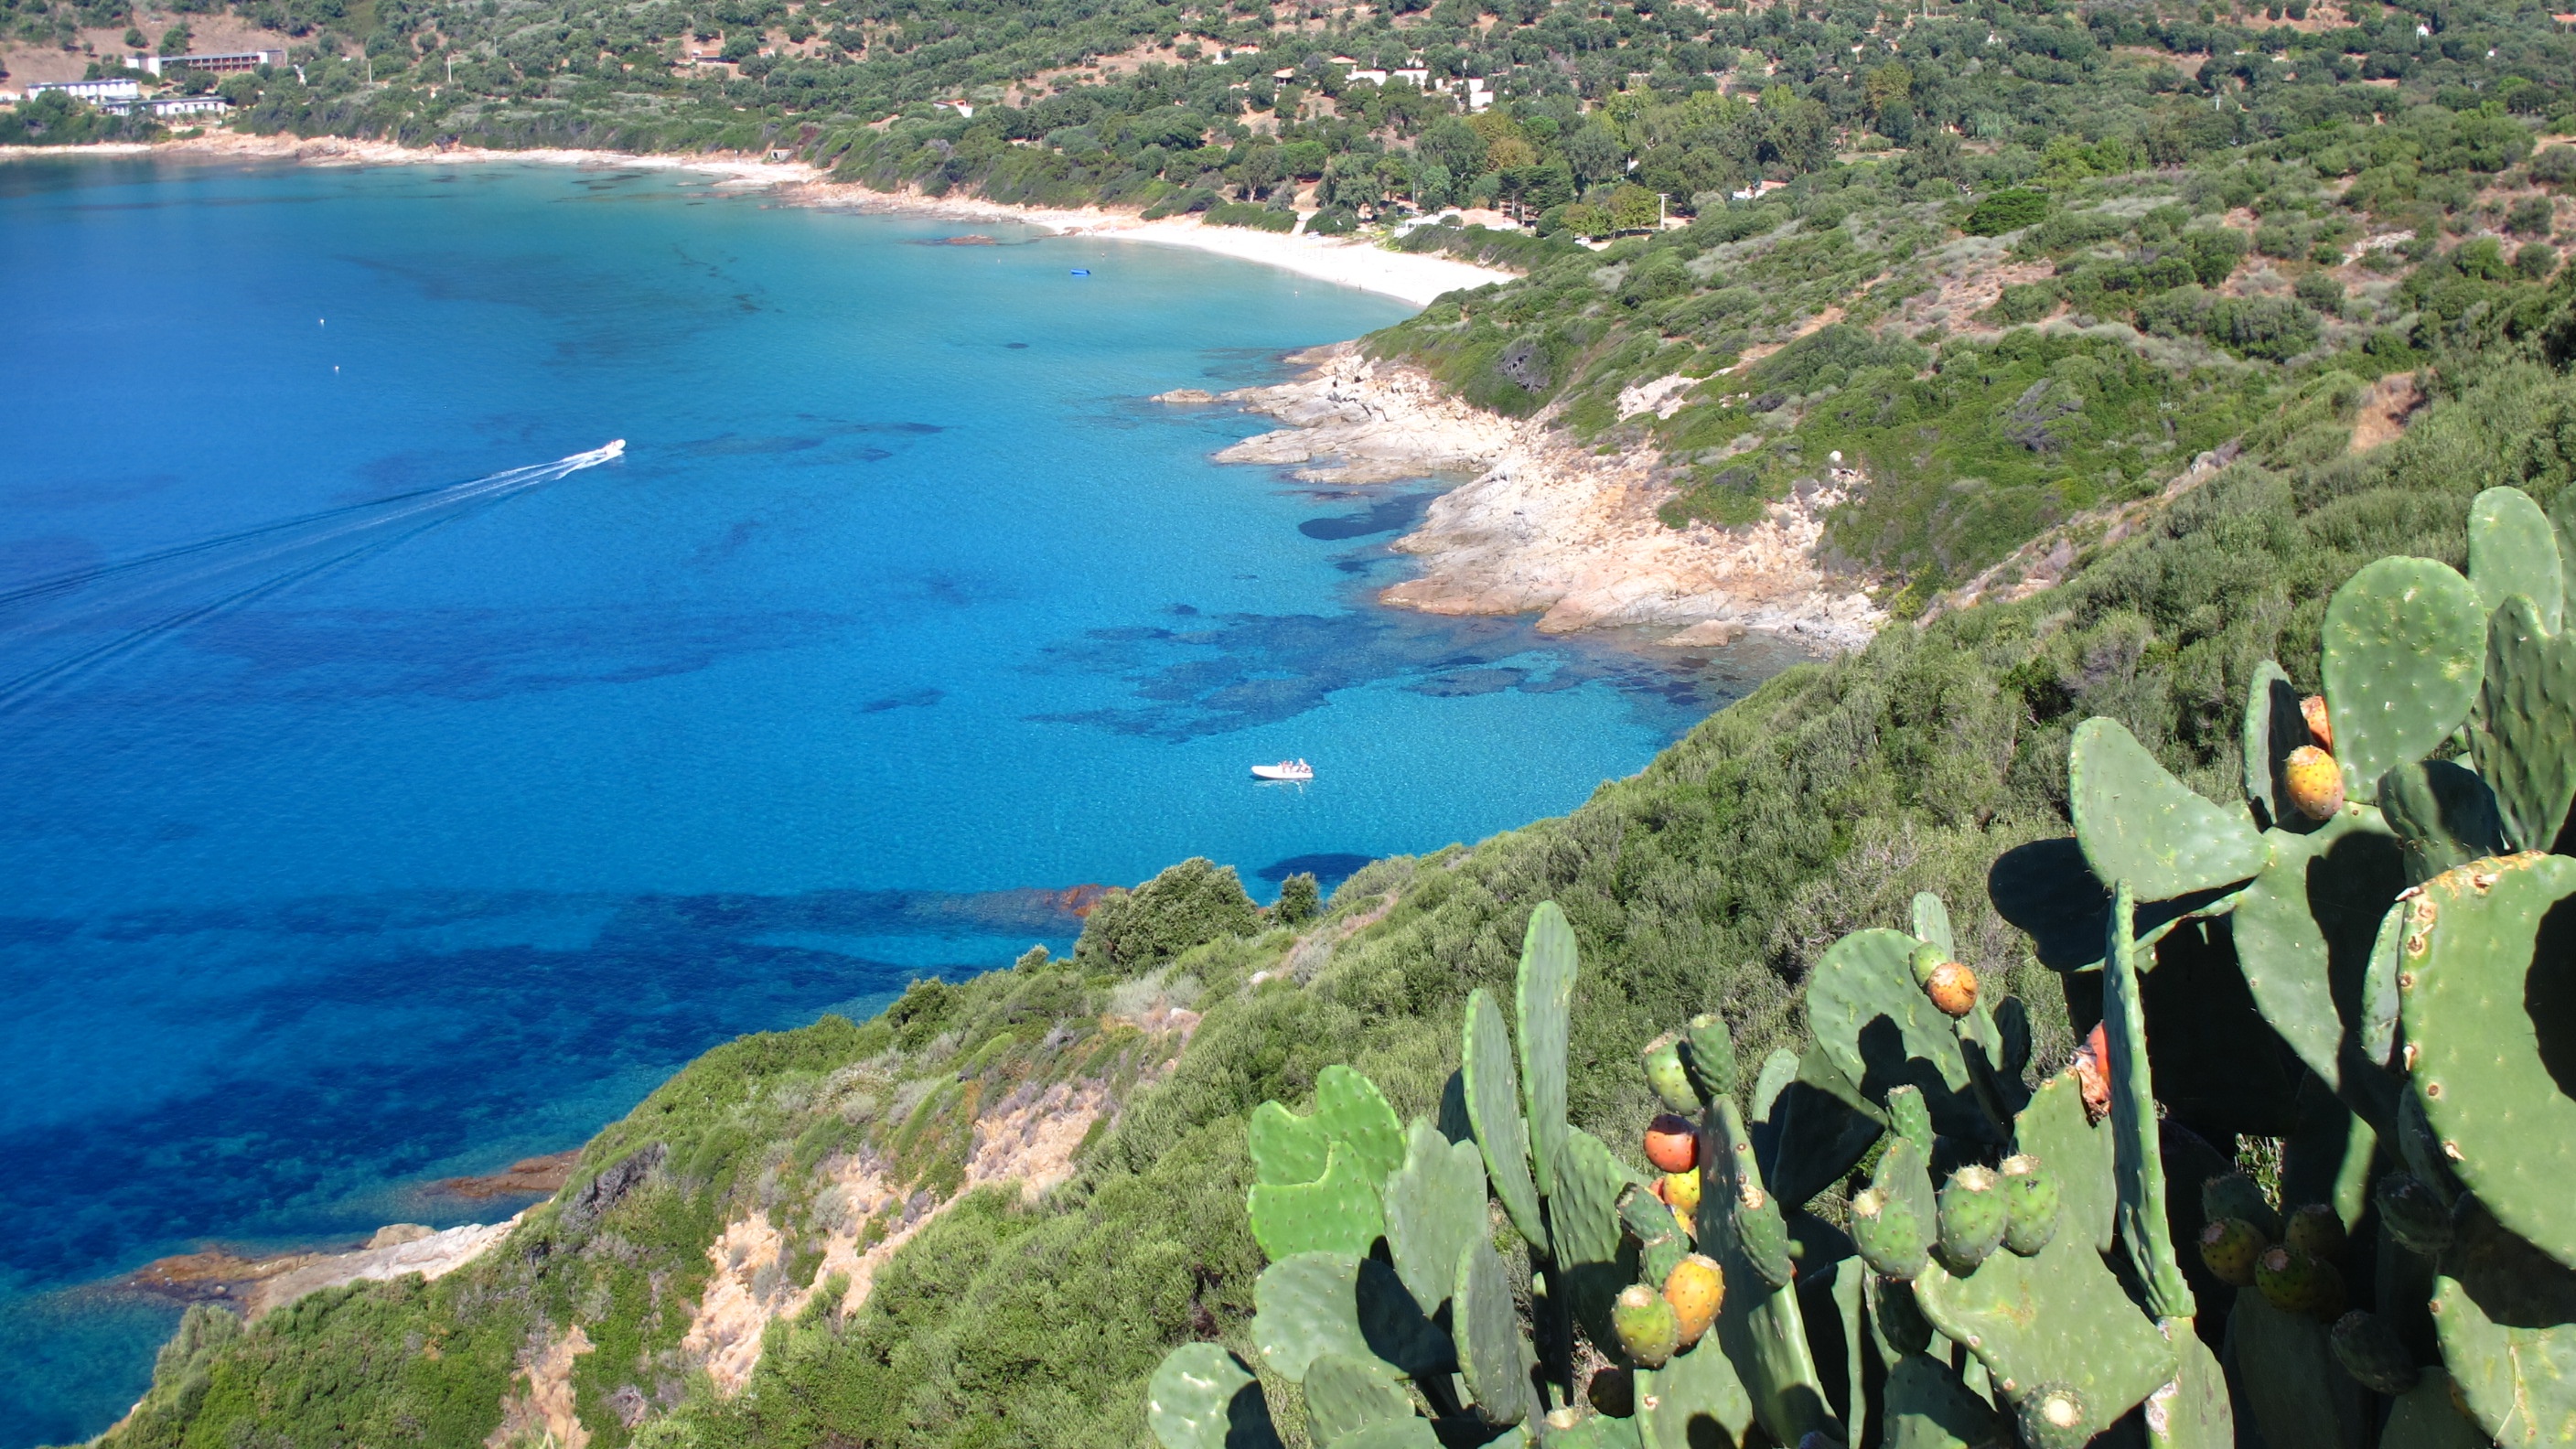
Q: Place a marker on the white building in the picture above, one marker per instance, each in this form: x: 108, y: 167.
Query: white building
x: 219, y: 62
x: 93, y: 91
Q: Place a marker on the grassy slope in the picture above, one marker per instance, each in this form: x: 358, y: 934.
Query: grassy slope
x: 1813, y: 807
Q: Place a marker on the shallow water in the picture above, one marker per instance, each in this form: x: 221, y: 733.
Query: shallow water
x: 421, y: 835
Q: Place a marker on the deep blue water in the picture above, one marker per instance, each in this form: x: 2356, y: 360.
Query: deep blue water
x: 430, y: 832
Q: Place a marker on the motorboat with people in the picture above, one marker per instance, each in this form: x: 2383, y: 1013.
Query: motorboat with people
x: 1296, y: 770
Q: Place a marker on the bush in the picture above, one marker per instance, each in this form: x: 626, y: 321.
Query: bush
x: 1301, y: 899
x: 1332, y: 221
x: 1245, y: 213
x: 2321, y: 291
x: 1189, y: 904
x: 2006, y: 211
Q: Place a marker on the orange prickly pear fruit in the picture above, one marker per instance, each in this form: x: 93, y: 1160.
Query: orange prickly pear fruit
x: 2320, y: 728
x: 1695, y: 1288
x: 2315, y: 781
x: 1953, y: 988
x: 1672, y: 1144
x: 2093, y: 1074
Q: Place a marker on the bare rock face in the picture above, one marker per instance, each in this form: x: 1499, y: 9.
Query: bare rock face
x: 1546, y: 526
x: 1575, y: 538
x: 1375, y: 422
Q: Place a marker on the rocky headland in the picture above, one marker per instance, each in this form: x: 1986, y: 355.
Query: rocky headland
x: 1545, y: 525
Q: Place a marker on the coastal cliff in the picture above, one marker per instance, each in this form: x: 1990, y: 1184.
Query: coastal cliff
x: 1547, y: 525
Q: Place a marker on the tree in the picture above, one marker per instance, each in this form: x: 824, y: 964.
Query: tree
x: 1300, y: 900
x: 1189, y: 904
x: 1595, y: 155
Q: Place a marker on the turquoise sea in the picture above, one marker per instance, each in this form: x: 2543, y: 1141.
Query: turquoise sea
x: 378, y: 804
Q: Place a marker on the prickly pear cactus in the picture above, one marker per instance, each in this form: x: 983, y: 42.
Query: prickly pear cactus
x: 2141, y: 827
x: 2524, y: 741
x: 2512, y: 553
x: 2405, y: 651
x: 2490, y: 1082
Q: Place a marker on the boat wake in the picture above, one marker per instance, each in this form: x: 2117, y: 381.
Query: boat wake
x: 58, y: 627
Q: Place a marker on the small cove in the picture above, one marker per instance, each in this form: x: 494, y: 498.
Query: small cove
x: 901, y: 615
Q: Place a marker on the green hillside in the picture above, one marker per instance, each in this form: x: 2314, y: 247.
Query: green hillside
x: 1711, y: 880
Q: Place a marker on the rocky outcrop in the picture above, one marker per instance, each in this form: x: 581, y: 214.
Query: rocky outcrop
x: 261, y: 1285
x: 1576, y: 538
x: 1352, y: 419
x: 1547, y: 526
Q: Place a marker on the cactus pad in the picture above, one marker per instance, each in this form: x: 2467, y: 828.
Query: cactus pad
x: 2443, y: 815
x: 2145, y: 1225
x: 1316, y: 1303
x: 2138, y: 824
x: 2425, y: 1418
x: 1492, y: 1356
x: 1493, y: 1100
x: 2490, y: 1032
x: 1932, y: 924
x: 1344, y: 1396
x: 2234, y: 1195
x: 1585, y: 1210
x: 1286, y: 1148
x: 2298, y: 1395
x: 1708, y: 1054
x: 1695, y: 1394
x: 1928, y: 1408
x: 1880, y: 1031
x: 1435, y: 1207
x: 1546, y: 1006
x: 2370, y: 1351
x: 2511, y: 551
x: 2413, y: 1214
x: 2526, y: 746
x: 2060, y: 1318
x: 1759, y: 1326
x: 2405, y: 649
x: 1661, y: 1241
x: 1973, y: 1215
x: 1889, y: 1236
x: 2303, y: 933
x: 1337, y: 1213
x: 2273, y: 728
x: 2506, y: 1315
x: 2030, y: 1199
x: 2057, y: 1130
x: 2192, y: 1411
x: 1204, y: 1398
x: 1662, y: 1058
x: 1414, y: 1433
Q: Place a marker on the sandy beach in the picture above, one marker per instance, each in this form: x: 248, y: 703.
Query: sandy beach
x: 1359, y: 264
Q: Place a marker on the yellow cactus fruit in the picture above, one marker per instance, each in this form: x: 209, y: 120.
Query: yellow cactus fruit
x: 1681, y: 1189
x: 1696, y: 1287
x: 2315, y: 781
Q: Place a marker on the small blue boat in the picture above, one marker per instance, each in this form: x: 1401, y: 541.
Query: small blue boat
x: 1082, y: 271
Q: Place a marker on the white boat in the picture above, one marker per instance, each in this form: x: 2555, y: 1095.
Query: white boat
x: 1297, y: 770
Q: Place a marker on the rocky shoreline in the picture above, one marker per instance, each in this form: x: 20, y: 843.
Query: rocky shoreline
x: 1545, y: 526
x: 258, y: 1285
